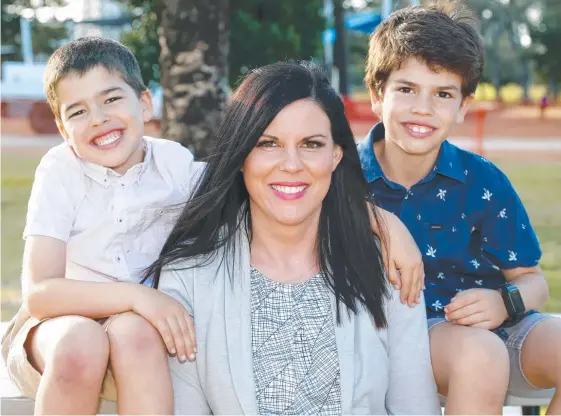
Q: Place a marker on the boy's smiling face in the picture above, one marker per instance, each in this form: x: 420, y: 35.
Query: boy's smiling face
x: 419, y: 107
x: 102, y: 118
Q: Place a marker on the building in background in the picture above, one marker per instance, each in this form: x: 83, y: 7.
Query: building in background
x: 105, y: 18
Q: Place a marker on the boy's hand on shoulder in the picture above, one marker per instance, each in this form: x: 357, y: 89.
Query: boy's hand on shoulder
x: 403, y: 261
x: 480, y: 308
x: 170, y: 318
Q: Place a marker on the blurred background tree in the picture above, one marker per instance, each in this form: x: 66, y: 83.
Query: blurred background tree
x: 45, y: 37
x: 194, y: 42
x: 256, y: 33
x: 261, y: 32
x: 520, y: 38
x: 546, y: 36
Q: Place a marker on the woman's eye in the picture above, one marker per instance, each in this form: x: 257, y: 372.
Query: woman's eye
x: 444, y: 94
x: 266, y: 143
x: 405, y: 90
x: 312, y: 144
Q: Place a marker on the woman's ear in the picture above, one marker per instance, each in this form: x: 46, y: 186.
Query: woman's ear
x: 337, y: 156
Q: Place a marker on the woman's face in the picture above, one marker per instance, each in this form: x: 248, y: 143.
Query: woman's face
x: 288, y: 173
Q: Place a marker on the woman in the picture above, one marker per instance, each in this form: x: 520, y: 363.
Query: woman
x: 275, y: 258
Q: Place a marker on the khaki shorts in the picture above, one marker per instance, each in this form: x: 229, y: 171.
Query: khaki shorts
x: 20, y: 370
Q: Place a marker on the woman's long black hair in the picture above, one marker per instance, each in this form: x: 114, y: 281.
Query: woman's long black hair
x: 349, y: 253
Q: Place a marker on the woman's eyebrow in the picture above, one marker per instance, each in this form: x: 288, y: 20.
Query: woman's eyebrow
x: 270, y: 136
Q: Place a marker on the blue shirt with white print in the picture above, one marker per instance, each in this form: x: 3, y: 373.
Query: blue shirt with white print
x: 465, y: 216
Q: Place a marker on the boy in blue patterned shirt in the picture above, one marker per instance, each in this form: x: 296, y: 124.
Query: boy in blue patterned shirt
x: 481, y: 254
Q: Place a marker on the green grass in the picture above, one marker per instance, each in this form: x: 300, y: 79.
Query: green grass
x: 537, y: 183
x: 17, y: 178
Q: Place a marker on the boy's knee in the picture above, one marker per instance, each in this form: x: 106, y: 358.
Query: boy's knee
x: 134, y: 336
x: 482, y: 353
x: 468, y: 353
x: 82, y: 353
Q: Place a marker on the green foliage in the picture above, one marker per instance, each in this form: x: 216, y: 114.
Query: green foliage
x: 45, y: 37
x: 507, y: 60
x: 260, y: 33
x: 266, y: 32
x: 546, y: 37
x: 142, y: 40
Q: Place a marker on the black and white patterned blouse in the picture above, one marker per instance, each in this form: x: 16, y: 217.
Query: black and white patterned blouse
x: 295, y: 361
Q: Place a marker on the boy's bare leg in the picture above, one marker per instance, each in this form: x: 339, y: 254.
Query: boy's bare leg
x: 139, y: 363
x: 541, y: 359
x: 471, y: 368
x: 71, y: 353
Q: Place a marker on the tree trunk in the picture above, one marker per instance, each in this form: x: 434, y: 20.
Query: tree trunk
x: 340, y: 51
x: 194, y: 38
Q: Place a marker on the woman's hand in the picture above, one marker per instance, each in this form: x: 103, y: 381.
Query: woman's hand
x: 402, y: 258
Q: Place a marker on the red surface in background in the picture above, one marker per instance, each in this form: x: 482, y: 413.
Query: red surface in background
x: 31, y: 118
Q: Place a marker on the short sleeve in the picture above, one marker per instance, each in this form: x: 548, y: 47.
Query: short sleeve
x: 51, y: 209
x: 507, y: 236
x: 177, y: 162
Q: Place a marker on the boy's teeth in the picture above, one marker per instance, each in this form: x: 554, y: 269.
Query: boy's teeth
x: 288, y: 189
x: 420, y: 129
x: 107, y: 139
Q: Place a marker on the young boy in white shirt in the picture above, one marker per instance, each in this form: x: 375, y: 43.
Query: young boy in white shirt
x: 101, y: 207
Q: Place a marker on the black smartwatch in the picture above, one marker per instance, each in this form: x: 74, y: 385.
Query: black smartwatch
x: 513, y: 303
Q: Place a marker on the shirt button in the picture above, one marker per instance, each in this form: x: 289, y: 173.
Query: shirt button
x: 122, y: 184
x: 118, y: 259
x: 120, y: 220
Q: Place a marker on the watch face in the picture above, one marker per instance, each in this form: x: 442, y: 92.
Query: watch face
x: 515, y: 300
x: 512, y: 289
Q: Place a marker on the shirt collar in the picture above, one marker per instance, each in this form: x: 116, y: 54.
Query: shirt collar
x: 448, y: 163
x: 370, y: 165
x: 105, y: 176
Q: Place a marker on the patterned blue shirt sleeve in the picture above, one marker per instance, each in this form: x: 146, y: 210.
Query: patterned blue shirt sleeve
x: 507, y: 236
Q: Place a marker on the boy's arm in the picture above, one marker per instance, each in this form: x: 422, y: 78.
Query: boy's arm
x: 531, y: 283
x: 485, y: 308
x: 402, y: 258
x: 47, y: 294
x: 510, y: 242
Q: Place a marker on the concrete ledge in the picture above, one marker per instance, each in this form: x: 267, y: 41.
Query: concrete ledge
x: 24, y: 406
x: 536, y: 398
x: 13, y: 403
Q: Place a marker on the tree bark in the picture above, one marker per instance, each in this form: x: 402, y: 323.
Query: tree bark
x: 340, y: 51
x: 194, y: 40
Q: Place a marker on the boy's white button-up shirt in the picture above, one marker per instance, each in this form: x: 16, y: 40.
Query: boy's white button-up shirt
x: 114, y: 225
